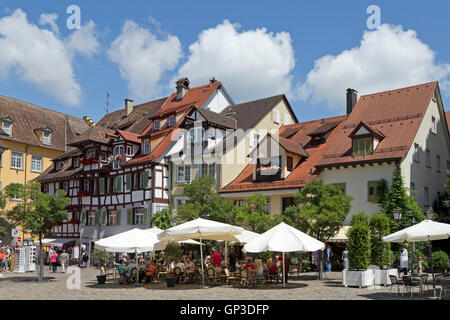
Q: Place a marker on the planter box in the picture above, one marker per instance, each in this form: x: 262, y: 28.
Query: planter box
x: 382, y: 276
x: 358, y: 278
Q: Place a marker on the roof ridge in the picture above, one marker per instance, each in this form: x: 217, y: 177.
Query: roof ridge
x: 310, y: 121
x: 266, y: 98
x: 398, y: 89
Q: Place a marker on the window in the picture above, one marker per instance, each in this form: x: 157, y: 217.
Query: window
x: 86, y: 186
x: 171, y: 122
x: 90, y: 154
x: 179, y: 202
x: 16, y: 160
x: 267, y: 209
x: 135, y: 181
x: 143, y: 180
x: 129, y: 151
x: 146, y: 147
x: 139, y: 216
x: 91, y: 218
x: 362, y: 147
x: 108, y: 185
x: 156, y: 125
x: 372, y: 192
x: 341, y: 186
x: 118, y: 184
x: 289, y: 163
x: 76, y: 162
x: 428, y: 158
x: 196, y: 135
x: 7, y: 127
x: 47, y: 137
x: 208, y: 170
x: 183, y: 174
x: 59, y: 165
x: 276, y: 116
x: 426, y: 199
x: 255, y: 139
x: 66, y: 187
x: 239, y: 203
x: 36, y: 164
x: 44, y: 188
x: 17, y: 195
x: 112, y: 217
x: 438, y: 163
x: 416, y: 156
x: 119, y: 157
x: 433, y: 125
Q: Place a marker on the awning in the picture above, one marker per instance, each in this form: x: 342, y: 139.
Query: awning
x: 341, y: 235
x: 57, y: 242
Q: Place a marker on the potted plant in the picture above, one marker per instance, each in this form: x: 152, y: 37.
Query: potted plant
x: 101, y: 257
x: 359, y: 253
x: 380, y: 252
x: 171, y: 252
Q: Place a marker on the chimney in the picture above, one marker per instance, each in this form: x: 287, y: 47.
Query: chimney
x: 352, y: 97
x: 128, y: 107
x: 182, y: 88
x: 212, y: 81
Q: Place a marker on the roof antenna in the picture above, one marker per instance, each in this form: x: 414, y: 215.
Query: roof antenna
x: 107, y: 102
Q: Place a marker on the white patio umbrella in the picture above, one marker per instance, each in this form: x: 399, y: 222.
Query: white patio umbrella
x: 426, y: 230
x: 204, y: 230
x: 162, y: 244
x: 284, y: 238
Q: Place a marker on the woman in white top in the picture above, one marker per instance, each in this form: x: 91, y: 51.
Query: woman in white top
x: 259, y: 269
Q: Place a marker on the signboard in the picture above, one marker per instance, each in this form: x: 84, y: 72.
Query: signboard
x: 15, y: 233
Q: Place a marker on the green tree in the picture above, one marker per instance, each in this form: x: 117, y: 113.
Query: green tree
x: 204, y: 202
x: 359, y: 244
x: 37, y: 212
x: 320, y: 210
x: 397, y: 197
x: 442, y: 205
x: 2, y: 232
x: 380, y: 252
x: 162, y: 219
x: 253, y: 215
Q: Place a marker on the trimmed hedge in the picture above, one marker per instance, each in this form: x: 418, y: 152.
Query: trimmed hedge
x: 359, y: 243
x: 380, y: 252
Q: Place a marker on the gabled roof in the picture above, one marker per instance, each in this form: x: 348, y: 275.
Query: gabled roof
x: 128, y: 136
x: 217, y: 119
x: 397, y: 114
x: 95, y: 134
x: 67, y: 171
x: 372, y: 130
x: 248, y: 114
x: 28, y: 117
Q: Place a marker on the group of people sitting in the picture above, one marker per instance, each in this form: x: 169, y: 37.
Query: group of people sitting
x: 257, y: 269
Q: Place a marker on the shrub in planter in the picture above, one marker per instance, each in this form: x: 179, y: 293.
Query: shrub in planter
x: 440, y: 260
x: 171, y: 252
x: 359, y: 243
x: 380, y: 252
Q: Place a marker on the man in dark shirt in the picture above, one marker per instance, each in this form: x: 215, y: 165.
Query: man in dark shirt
x: 232, y: 258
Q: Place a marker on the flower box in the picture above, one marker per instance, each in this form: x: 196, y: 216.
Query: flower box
x: 269, y: 171
x: 358, y: 278
x: 82, y: 193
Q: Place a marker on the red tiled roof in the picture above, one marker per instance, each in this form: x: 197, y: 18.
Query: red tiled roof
x: 397, y: 114
x: 128, y: 136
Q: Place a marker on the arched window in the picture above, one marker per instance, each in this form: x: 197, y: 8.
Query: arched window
x: 119, y: 156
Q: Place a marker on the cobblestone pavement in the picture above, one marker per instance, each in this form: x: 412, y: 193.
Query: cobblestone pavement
x: 25, y: 286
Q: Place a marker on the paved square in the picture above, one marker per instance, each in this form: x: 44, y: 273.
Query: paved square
x: 24, y: 286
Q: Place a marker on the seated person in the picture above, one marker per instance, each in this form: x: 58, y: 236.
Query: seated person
x: 130, y: 267
x: 151, y: 269
x: 122, y: 270
x: 249, y: 265
x: 271, y: 267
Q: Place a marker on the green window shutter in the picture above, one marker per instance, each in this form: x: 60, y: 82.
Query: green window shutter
x: 145, y: 179
x: 96, y: 218
x: 104, y: 217
x: 83, y: 218
x: 130, y: 216
x: 146, y: 216
x: 118, y: 217
x: 117, y: 182
x: 102, y: 185
x: 128, y: 180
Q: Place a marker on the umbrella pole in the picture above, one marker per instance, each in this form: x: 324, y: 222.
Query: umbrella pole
x: 284, y: 272
x: 201, y: 261
x: 137, y: 261
x: 432, y: 270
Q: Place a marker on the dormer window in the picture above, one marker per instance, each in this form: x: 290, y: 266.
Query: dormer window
x: 365, y: 140
x: 90, y: 154
x: 129, y: 151
x: 119, y: 157
x: 171, y: 121
x: 156, y: 125
x: 47, y: 137
x: 59, y: 165
x: 76, y: 162
x: 7, y: 126
x: 146, y: 147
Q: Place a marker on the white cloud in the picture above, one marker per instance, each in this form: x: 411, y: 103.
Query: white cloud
x: 386, y: 58
x: 83, y: 41
x: 251, y: 64
x: 143, y: 59
x: 40, y: 57
x: 50, y: 19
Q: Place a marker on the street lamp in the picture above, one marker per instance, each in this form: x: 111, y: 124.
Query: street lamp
x: 398, y: 216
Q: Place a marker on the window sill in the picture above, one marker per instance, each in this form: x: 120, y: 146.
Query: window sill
x: 20, y: 169
x: 35, y: 171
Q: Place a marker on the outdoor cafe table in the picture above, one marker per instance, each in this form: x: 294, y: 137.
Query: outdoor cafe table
x: 421, y: 279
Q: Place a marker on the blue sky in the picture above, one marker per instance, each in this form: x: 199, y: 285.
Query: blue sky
x: 289, y: 55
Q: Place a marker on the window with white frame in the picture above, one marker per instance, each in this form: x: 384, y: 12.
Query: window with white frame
x: 90, y: 154
x: 156, y: 125
x: 59, y: 165
x: 16, y: 160
x: 267, y: 209
x: 276, y: 116
x: 139, y: 216
x: 240, y: 203
x: 183, y: 174
x: 17, y: 195
x: 416, y: 156
x: 112, y: 217
x: 47, y: 137
x: 66, y: 187
x: 255, y: 138
x: 118, y: 184
x: 438, y: 163
x: 119, y: 157
x: 7, y: 127
x: 171, y: 121
x: 91, y: 218
x: 428, y: 158
x: 130, y: 151
x: 76, y: 162
x: 36, y: 164
x: 146, y: 147
x: 433, y: 125
x: 86, y: 186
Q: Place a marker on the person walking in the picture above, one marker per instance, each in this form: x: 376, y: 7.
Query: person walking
x: 404, y: 260
x: 2, y: 259
x: 63, y: 258
x: 54, y: 261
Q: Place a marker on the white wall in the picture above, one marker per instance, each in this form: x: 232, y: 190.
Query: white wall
x: 218, y: 101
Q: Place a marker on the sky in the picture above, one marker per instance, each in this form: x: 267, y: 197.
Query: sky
x: 310, y: 50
